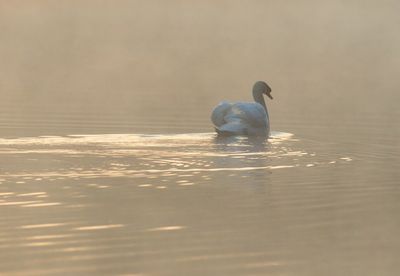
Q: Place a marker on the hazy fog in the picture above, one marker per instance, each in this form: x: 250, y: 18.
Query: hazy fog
x: 141, y: 58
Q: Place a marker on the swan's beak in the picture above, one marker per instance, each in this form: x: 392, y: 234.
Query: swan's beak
x: 269, y: 95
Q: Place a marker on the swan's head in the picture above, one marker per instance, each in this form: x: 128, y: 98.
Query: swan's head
x: 262, y: 87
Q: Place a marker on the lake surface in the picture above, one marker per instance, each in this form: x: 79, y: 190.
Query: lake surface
x: 108, y: 162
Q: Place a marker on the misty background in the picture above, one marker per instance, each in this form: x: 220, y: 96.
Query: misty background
x: 161, y: 66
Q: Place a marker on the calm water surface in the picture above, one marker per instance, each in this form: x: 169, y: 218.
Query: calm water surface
x: 108, y: 163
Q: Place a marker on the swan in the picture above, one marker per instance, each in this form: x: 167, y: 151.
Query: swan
x: 244, y: 118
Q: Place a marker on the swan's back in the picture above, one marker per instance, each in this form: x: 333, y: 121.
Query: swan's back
x: 240, y: 118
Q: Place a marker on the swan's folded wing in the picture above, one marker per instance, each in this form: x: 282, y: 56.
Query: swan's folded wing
x: 219, y: 113
x: 252, y: 113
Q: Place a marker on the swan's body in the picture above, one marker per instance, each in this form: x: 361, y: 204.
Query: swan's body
x: 244, y: 118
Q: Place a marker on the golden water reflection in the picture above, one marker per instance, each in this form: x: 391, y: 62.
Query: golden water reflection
x: 146, y: 202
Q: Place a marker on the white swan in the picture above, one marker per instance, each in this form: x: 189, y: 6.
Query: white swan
x: 243, y: 118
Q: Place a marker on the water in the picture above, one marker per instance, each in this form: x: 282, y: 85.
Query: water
x: 108, y: 162
x: 195, y: 204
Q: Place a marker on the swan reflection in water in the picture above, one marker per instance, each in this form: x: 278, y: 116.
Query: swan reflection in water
x: 240, y: 143
x: 254, y: 153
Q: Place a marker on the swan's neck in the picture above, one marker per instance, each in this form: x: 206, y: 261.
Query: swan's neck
x: 259, y: 98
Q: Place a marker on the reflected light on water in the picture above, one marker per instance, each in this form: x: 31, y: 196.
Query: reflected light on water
x: 98, y: 227
x: 76, y: 249
x: 145, y: 185
x: 39, y: 244
x: 42, y: 204
x: 149, y: 156
x: 32, y: 194
x: 49, y: 237
x: 167, y: 228
x: 83, y: 174
x: 44, y: 225
x: 10, y: 203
